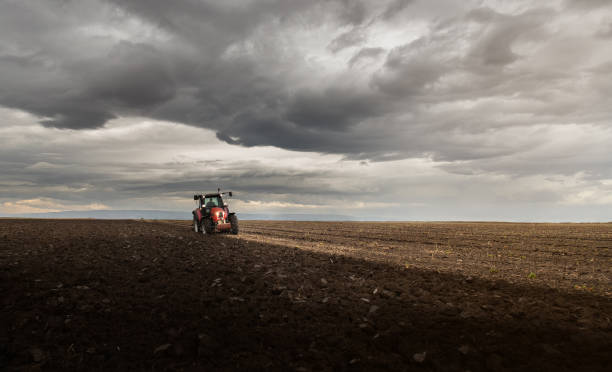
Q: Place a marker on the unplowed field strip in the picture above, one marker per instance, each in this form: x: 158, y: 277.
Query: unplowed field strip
x: 557, y: 255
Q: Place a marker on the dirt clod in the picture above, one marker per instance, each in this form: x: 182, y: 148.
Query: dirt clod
x: 37, y: 355
x: 162, y: 348
x: 464, y: 349
x: 419, y: 357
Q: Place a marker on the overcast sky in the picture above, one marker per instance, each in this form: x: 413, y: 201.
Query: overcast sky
x: 397, y: 109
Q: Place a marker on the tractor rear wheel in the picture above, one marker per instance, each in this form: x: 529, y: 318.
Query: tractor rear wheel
x: 234, y: 221
x: 209, y: 227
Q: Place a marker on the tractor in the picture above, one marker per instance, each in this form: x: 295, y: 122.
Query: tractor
x: 212, y: 214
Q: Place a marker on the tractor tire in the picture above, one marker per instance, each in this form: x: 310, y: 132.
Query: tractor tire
x: 209, y: 228
x: 234, y: 221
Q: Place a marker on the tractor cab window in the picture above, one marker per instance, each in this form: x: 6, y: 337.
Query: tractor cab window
x: 213, y: 201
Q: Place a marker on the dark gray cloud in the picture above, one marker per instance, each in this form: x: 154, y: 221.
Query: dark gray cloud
x: 365, y: 54
x: 605, y: 31
x: 395, y: 7
x: 348, y: 39
x: 352, y: 11
x: 333, y: 109
x: 367, y: 80
x: 587, y: 4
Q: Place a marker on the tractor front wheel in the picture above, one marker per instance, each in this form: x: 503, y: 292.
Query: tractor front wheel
x: 234, y: 221
x: 196, y: 225
x: 209, y: 226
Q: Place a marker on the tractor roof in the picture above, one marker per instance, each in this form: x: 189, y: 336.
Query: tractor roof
x: 211, y: 195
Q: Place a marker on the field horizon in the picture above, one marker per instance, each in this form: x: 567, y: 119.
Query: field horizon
x: 153, y: 214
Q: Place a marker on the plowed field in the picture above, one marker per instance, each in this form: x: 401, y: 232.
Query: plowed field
x: 305, y: 296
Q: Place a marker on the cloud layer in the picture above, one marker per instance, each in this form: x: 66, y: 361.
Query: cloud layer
x: 478, y: 90
x: 143, y: 164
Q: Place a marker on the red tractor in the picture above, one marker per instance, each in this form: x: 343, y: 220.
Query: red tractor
x: 213, y: 215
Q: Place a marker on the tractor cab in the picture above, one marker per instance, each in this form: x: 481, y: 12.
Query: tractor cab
x: 210, y: 201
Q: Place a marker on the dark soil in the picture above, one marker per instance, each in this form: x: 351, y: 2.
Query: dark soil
x: 138, y: 295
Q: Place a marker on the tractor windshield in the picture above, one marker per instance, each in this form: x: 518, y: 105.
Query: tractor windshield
x: 212, y: 201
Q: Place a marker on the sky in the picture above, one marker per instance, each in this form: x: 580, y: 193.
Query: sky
x: 382, y: 110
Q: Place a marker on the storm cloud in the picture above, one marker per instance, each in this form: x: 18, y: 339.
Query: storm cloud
x: 474, y: 88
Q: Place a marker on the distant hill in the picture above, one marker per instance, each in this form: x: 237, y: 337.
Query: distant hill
x: 176, y: 215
